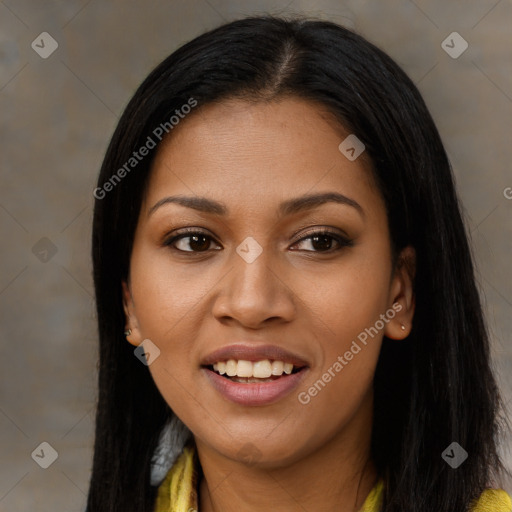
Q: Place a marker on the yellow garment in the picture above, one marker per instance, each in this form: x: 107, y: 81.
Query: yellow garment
x: 178, y: 492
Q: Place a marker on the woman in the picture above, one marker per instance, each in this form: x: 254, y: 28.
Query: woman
x: 276, y: 232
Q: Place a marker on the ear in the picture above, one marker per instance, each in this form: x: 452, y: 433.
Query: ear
x: 401, y: 297
x: 131, y: 322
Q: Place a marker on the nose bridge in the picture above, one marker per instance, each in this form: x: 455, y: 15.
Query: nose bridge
x: 253, y: 277
x: 254, y: 292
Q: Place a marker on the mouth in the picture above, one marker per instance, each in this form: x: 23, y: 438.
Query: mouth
x: 254, y: 376
x: 254, y: 372
x: 251, y: 374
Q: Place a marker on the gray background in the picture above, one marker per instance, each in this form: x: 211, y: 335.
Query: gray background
x: 57, y: 115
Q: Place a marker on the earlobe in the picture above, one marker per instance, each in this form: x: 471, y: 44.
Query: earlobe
x: 402, y: 296
x: 131, y: 330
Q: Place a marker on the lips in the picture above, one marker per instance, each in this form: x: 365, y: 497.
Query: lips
x: 254, y: 375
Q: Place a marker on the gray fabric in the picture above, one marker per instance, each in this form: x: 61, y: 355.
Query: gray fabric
x: 173, y: 438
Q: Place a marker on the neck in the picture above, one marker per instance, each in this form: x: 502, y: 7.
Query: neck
x: 334, y: 477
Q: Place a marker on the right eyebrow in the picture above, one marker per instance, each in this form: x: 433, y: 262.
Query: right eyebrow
x: 201, y: 204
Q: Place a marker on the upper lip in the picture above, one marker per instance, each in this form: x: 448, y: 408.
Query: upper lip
x: 253, y: 353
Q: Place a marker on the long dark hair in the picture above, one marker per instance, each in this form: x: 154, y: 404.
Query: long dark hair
x: 436, y: 387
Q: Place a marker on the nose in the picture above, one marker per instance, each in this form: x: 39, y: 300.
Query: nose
x: 254, y: 294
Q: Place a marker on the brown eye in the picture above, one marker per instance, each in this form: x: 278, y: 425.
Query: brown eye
x: 323, y: 241
x: 191, y: 242
x: 197, y: 242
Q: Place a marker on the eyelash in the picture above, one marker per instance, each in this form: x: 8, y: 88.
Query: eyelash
x: 342, y: 241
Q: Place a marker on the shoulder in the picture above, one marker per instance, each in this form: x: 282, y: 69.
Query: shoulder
x: 493, y: 500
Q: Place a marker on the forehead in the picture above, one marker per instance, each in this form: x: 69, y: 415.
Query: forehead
x: 258, y: 153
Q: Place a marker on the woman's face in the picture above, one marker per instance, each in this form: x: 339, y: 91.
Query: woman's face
x: 251, y: 284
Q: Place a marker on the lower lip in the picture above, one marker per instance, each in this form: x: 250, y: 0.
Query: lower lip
x: 255, y: 393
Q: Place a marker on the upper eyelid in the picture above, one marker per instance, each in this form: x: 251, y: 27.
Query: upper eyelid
x: 322, y: 229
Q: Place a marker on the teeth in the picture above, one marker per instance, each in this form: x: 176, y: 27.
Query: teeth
x: 262, y: 369
x: 244, y: 368
x: 258, y: 370
x: 231, y: 368
x: 277, y: 367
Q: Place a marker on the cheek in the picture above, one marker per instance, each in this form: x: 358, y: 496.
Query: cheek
x: 342, y: 382
x: 166, y: 294
x: 167, y: 301
x: 350, y: 306
x: 169, y: 309
x: 349, y: 297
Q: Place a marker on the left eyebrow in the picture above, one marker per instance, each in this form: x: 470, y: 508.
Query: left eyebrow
x: 288, y: 207
x: 308, y: 202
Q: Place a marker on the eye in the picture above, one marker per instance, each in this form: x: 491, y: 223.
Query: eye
x: 190, y: 241
x: 322, y: 241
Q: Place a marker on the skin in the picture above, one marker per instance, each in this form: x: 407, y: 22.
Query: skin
x: 296, y: 294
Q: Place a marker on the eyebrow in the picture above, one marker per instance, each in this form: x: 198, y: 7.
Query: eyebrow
x: 288, y: 207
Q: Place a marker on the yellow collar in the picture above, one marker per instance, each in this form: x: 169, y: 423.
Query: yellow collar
x: 178, y: 492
